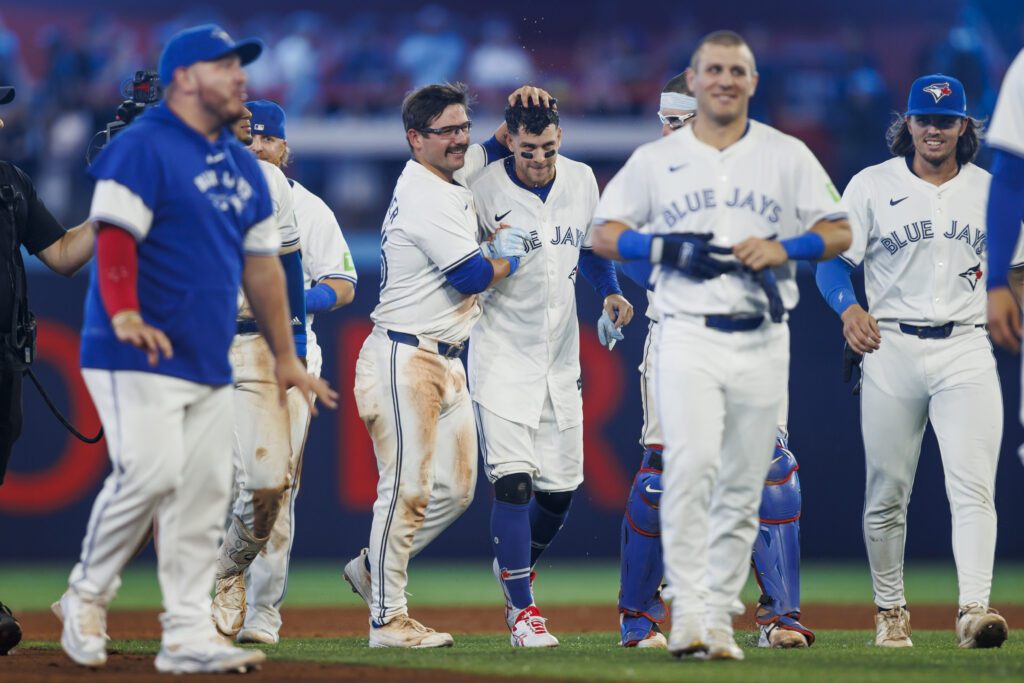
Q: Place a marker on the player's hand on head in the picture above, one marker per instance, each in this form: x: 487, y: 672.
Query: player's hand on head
x: 618, y: 309
x: 533, y: 96
x: 757, y: 254
x: 130, y: 328
x: 1004, y: 325
x: 861, y: 330
x: 292, y: 373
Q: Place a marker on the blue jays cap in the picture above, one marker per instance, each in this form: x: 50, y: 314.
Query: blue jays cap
x: 267, y: 118
x: 6, y: 93
x: 937, y: 94
x: 203, y: 44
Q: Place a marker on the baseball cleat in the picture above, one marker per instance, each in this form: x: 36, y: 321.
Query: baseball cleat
x: 104, y: 600
x: 358, y: 576
x: 404, y: 631
x: 892, y: 628
x: 84, y: 637
x: 640, y: 632
x: 228, y: 607
x: 207, y: 655
x: 980, y: 627
x: 722, y: 645
x: 687, y: 638
x: 10, y: 630
x: 774, y: 636
x: 257, y: 635
x: 529, y: 630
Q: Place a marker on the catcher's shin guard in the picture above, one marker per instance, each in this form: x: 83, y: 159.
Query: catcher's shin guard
x: 776, y: 556
x: 640, y: 602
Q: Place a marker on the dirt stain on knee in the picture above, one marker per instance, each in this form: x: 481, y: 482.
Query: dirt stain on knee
x: 265, y: 505
x: 465, y: 461
x: 425, y: 373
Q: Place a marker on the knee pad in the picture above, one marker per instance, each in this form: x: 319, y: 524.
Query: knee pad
x: 642, y: 568
x: 514, y: 488
x: 776, y: 553
x: 554, y: 504
x: 645, y: 496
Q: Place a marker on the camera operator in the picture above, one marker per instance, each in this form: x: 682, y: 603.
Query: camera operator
x: 24, y: 221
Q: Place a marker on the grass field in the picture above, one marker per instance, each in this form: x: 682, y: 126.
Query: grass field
x: 837, y: 657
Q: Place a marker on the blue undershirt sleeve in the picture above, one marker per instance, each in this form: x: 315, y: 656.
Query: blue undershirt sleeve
x: 471, y: 276
x: 294, y: 281
x: 495, y: 150
x: 639, y: 272
x: 599, y: 272
x: 835, y: 285
x: 1005, y: 211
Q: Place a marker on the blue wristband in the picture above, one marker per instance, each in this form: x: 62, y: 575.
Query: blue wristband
x: 808, y: 247
x: 634, y: 246
x: 320, y: 298
x: 513, y: 264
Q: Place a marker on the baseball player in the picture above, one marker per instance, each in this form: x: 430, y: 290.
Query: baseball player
x: 528, y: 405
x: 919, y: 229
x: 1006, y: 209
x: 184, y: 217
x: 776, y: 554
x: 330, y: 280
x: 263, y: 444
x: 723, y: 187
x: 410, y: 385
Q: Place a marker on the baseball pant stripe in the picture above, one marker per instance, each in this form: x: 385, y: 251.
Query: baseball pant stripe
x: 292, y: 495
x: 480, y: 439
x: 644, y: 380
x: 398, y: 475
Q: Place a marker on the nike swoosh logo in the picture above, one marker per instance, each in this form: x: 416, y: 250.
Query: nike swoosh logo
x: 650, y: 490
x: 498, y: 218
x: 673, y: 169
x: 215, y: 158
x: 894, y: 202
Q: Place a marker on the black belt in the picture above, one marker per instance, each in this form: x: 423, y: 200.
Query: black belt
x: 938, y: 332
x: 246, y: 327
x: 727, y: 323
x: 443, y: 349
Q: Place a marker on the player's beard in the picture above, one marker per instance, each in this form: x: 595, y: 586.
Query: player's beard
x: 226, y: 107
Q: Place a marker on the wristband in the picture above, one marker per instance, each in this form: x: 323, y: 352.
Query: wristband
x: 513, y: 264
x: 808, y: 247
x: 320, y: 298
x: 634, y: 246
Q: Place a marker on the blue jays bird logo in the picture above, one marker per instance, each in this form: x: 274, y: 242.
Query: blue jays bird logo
x: 938, y: 90
x: 972, y: 275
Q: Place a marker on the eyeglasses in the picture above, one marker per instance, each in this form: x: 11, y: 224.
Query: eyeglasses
x: 675, y: 121
x: 448, y: 131
x: 939, y: 121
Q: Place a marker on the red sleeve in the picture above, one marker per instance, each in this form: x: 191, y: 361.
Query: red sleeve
x: 117, y: 267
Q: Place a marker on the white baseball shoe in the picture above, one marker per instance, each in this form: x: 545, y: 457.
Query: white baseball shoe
x: 358, y: 576
x: 530, y: 630
x: 510, y: 610
x: 228, y: 607
x: 257, y: 635
x: 892, y: 628
x: 84, y: 637
x: 212, y: 654
x: 655, y: 640
x: 978, y: 626
x: 722, y: 645
x: 687, y: 638
x: 103, y: 600
x: 774, y: 636
x: 404, y: 631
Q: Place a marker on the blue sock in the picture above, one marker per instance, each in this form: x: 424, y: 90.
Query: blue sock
x: 544, y: 526
x: 510, y: 536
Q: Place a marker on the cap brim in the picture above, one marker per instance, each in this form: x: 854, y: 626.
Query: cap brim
x: 936, y: 112
x: 248, y: 50
x: 6, y: 94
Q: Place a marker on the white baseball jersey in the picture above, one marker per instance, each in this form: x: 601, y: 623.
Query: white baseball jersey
x: 766, y: 184
x: 284, y: 218
x: 429, y: 230
x: 924, y: 246
x: 325, y: 255
x: 526, y: 344
x: 1006, y: 131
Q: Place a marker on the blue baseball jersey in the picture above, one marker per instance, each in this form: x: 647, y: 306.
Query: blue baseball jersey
x: 195, y: 208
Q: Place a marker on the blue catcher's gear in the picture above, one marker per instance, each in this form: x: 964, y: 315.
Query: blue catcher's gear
x: 776, y: 556
x: 640, y: 605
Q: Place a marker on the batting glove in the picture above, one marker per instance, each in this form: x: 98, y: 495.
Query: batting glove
x: 510, y: 241
x: 607, y: 333
x: 770, y: 284
x: 691, y: 253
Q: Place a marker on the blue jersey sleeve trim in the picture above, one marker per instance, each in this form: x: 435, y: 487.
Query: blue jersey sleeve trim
x: 835, y: 285
x: 599, y: 272
x: 495, y: 150
x: 450, y: 267
x: 472, y: 276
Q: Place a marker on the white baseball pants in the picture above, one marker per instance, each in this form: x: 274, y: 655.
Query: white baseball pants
x: 719, y: 398
x: 418, y: 412
x: 168, y: 440
x: 952, y: 382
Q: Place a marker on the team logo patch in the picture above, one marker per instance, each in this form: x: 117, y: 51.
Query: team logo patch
x: 938, y: 90
x: 972, y: 275
x: 257, y: 127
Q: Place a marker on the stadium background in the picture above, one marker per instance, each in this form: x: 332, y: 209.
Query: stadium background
x: 830, y: 77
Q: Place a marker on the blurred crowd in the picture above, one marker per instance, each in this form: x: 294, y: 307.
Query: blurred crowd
x: 834, y: 86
